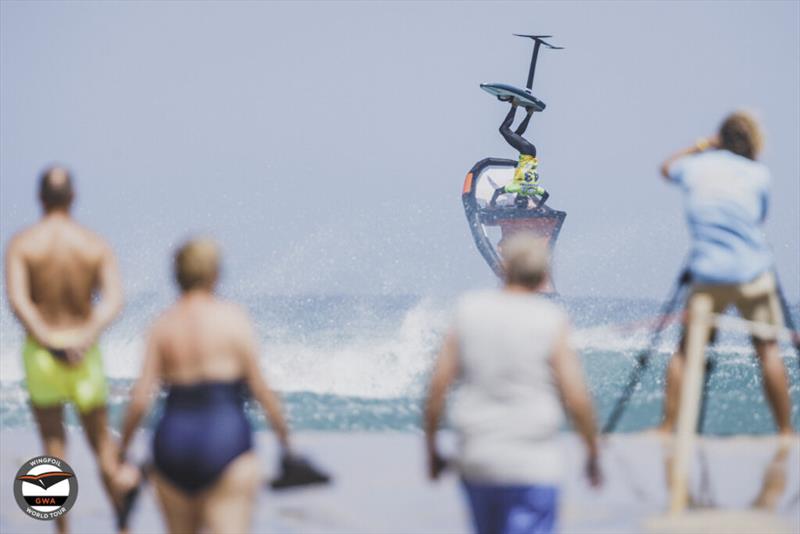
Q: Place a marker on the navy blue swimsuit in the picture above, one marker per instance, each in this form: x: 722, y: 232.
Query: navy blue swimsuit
x: 203, y: 429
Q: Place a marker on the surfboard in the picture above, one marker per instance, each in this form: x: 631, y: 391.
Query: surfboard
x: 521, y: 96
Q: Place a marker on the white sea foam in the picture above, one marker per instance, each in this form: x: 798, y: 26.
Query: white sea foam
x: 391, y: 366
x: 363, y: 364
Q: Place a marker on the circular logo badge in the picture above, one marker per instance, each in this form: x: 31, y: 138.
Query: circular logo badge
x: 45, y: 487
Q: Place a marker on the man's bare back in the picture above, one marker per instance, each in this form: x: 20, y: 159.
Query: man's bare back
x: 54, y: 270
x: 63, y: 262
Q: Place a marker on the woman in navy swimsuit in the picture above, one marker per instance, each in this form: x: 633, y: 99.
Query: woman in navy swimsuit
x: 203, y: 352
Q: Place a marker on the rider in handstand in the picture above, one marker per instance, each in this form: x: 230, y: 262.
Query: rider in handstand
x: 526, y: 178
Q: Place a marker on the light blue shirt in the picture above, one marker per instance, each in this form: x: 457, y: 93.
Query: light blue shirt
x: 726, y: 203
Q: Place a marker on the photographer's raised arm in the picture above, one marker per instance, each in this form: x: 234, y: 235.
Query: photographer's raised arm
x: 703, y: 144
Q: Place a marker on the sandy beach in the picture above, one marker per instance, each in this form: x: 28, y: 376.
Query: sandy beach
x: 380, y: 487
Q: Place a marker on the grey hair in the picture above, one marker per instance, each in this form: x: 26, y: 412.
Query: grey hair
x: 526, y: 259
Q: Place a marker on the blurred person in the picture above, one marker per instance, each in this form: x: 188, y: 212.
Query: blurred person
x: 203, y: 351
x: 727, y: 195
x: 64, y: 286
x: 510, y: 350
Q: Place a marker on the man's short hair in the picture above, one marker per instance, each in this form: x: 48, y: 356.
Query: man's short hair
x: 526, y: 259
x: 741, y: 134
x: 197, y: 264
x: 55, y: 188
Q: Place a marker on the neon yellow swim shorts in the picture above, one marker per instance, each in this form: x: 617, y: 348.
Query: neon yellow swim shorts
x: 52, y: 382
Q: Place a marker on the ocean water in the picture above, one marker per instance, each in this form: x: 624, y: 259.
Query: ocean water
x: 345, y: 363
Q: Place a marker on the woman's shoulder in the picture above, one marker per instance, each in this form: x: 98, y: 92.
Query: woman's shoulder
x: 232, y: 310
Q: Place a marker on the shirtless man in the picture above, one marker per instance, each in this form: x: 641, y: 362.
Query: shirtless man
x: 54, y: 270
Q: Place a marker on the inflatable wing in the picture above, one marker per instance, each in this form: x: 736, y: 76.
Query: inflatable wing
x: 491, y: 224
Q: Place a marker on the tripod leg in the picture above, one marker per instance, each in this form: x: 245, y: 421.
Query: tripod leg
x: 787, y: 317
x: 643, y: 358
x: 700, y: 308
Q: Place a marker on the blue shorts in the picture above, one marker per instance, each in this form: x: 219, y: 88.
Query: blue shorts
x: 512, y: 509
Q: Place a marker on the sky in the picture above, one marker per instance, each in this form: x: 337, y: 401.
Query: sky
x: 325, y: 144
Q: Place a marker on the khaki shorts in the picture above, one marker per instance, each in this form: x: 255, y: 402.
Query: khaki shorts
x: 757, y: 302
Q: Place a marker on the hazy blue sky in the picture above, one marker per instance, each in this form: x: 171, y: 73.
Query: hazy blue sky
x: 325, y: 144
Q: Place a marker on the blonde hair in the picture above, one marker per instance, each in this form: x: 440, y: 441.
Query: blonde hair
x: 197, y: 264
x: 526, y: 259
x: 741, y: 134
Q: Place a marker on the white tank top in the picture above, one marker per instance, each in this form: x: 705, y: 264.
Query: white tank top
x: 506, y: 409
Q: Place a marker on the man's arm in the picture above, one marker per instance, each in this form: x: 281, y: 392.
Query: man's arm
x: 19, y: 296
x: 444, y: 373
x: 110, y: 303
x: 572, y: 386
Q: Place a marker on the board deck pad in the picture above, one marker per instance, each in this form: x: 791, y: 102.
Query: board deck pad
x: 521, y: 96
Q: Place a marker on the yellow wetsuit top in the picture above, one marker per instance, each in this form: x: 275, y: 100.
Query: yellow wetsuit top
x: 526, y: 173
x: 526, y: 177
